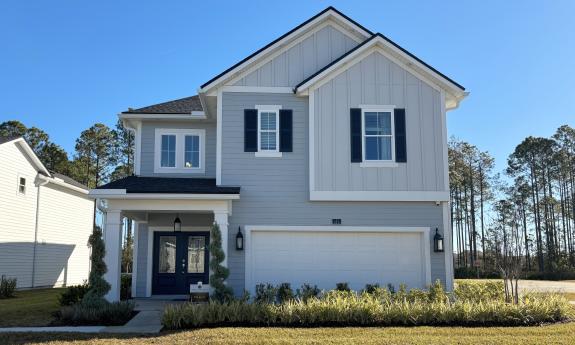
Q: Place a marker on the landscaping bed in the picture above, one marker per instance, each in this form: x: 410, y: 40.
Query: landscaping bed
x: 471, y: 304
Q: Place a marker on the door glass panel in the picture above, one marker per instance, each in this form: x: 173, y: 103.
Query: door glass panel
x: 196, y: 254
x: 167, y: 255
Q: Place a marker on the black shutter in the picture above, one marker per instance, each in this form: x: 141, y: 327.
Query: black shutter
x: 355, y: 134
x: 250, y: 130
x: 400, y: 138
x: 286, y: 130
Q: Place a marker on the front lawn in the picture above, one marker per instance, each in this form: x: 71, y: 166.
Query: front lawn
x: 30, y: 308
x: 553, y: 334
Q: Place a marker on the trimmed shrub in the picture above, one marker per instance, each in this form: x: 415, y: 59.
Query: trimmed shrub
x: 371, y: 288
x: 343, y: 286
x: 222, y: 292
x: 126, y: 286
x: 73, y: 294
x: 7, y: 287
x: 106, y: 314
x: 265, y: 293
x: 307, y: 291
x: 475, y: 273
x: 285, y: 293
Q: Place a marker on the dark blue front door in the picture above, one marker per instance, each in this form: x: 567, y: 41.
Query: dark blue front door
x: 180, y: 259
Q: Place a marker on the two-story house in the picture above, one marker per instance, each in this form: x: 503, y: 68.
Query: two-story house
x: 325, y: 151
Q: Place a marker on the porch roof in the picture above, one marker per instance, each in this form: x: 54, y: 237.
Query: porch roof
x: 174, y: 185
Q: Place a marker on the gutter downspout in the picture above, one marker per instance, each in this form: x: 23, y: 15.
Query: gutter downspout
x: 39, y: 183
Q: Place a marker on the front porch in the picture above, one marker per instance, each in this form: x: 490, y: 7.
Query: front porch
x: 165, y: 262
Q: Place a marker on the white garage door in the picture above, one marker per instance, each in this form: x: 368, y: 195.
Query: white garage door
x: 325, y: 258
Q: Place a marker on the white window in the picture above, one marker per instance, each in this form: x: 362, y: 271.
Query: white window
x: 21, y: 185
x: 179, y: 151
x: 378, y: 144
x: 268, y: 131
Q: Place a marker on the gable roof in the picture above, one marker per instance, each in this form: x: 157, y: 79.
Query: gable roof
x: 178, y: 106
x: 330, y: 11
x: 455, y: 92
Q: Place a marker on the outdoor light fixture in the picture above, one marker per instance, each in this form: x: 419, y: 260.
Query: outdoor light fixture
x: 437, y: 242
x: 177, y: 224
x: 239, y: 239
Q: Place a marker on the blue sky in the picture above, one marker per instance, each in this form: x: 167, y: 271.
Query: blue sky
x: 65, y: 65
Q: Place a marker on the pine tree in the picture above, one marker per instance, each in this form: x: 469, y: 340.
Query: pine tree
x: 222, y: 292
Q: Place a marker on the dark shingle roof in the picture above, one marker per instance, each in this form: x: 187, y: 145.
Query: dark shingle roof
x: 68, y: 180
x: 7, y: 139
x: 139, y: 184
x: 178, y: 106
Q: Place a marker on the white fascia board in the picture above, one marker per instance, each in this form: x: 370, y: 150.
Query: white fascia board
x: 24, y: 145
x: 121, y: 194
x: 397, y: 196
x: 330, y: 14
x: 194, y: 115
x: 378, y: 44
x: 257, y: 89
x: 62, y: 183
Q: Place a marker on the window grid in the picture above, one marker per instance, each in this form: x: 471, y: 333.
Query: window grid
x: 22, y: 185
x: 168, y: 157
x: 192, y: 151
x: 268, y: 131
x: 378, y: 135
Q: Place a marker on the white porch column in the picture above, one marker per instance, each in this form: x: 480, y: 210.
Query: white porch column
x: 221, y: 218
x: 113, y: 241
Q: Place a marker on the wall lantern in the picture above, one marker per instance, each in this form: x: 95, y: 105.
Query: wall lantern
x: 437, y: 242
x: 239, y: 239
x: 177, y: 224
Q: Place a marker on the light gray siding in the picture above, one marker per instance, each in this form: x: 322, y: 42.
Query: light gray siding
x: 378, y: 81
x: 275, y: 191
x: 148, y: 141
x: 302, y: 60
x: 142, y: 257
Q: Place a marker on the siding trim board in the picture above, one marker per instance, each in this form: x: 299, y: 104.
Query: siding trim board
x: 379, y: 196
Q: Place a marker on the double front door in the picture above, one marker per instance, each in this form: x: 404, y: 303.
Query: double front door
x: 180, y: 259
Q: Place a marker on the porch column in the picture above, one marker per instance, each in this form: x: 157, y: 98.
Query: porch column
x: 113, y: 241
x: 221, y: 218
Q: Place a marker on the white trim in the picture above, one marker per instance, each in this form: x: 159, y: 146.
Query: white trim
x: 270, y: 109
x: 28, y: 150
x: 248, y: 229
x: 135, y: 257
x: 378, y: 164
x: 391, y: 52
x: 258, y: 89
x: 138, y: 149
x: 194, y: 115
x: 379, y: 196
x: 121, y: 194
x: 373, y: 162
x: 311, y: 141
x: 219, y: 125
x: 296, y: 36
x: 61, y: 183
x: 180, y: 134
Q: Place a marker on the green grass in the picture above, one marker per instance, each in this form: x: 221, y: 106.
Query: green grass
x: 553, y: 334
x: 30, y: 308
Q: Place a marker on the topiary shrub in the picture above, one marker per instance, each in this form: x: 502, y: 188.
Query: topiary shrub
x: 7, y: 287
x: 222, y: 292
x: 73, y: 294
x: 285, y: 293
x: 98, y: 286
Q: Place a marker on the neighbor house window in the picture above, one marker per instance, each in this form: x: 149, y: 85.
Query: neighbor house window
x: 22, y: 185
x: 378, y: 142
x: 268, y: 130
x: 179, y: 150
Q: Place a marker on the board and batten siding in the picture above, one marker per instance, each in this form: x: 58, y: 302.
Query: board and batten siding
x: 65, y: 223
x: 17, y: 215
x: 376, y: 80
x: 148, y: 142
x: 275, y: 191
x: 302, y: 60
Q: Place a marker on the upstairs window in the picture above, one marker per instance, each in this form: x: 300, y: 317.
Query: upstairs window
x: 268, y: 130
x: 179, y: 150
x: 378, y: 134
x: 168, y: 159
x: 22, y: 185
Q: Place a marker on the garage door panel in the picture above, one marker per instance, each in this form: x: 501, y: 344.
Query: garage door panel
x: 326, y: 258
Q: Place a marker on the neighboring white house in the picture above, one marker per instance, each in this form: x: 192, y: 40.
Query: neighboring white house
x: 45, y: 221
